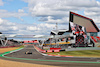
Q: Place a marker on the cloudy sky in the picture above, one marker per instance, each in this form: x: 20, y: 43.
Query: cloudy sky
x: 40, y: 16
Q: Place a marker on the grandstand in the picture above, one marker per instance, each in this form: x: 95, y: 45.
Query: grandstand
x: 87, y: 28
x: 9, y: 43
x: 84, y: 21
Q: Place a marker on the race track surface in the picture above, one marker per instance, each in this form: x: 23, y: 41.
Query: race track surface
x: 37, y: 55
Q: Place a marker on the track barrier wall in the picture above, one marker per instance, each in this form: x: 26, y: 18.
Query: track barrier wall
x: 55, y: 48
x: 49, y: 51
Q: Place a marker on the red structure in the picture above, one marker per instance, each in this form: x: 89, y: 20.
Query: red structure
x: 35, y: 41
x: 98, y: 37
x: 94, y: 39
x: 55, y: 48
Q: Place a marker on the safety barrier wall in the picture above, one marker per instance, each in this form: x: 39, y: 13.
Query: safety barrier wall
x: 55, y: 48
x: 48, y: 51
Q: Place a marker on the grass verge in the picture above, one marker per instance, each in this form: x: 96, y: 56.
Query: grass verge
x: 2, y: 50
x: 81, y: 53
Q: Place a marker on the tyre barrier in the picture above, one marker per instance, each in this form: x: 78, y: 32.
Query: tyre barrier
x: 48, y: 51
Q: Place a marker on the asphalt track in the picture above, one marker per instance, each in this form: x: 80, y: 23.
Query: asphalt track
x: 40, y: 57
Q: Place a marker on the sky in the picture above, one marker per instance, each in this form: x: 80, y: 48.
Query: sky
x: 39, y: 17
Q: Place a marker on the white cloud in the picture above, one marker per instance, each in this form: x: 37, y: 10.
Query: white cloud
x: 20, y: 10
x: 59, y: 8
x: 56, y: 11
x: 14, y: 28
x: 1, y: 21
x: 28, y: 29
x: 18, y: 15
x: 93, y: 13
x: 98, y: 3
x: 62, y: 20
x: 93, y: 9
x: 90, y: 13
x: 47, y: 25
x: 64, y: 2
x: 32, y: 28
x: 5, y: 13
x: 1, y: 3
x: 7, y: 26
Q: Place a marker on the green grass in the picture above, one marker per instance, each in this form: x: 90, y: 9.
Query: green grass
x: 21, y: 46
x: 81, y: 53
